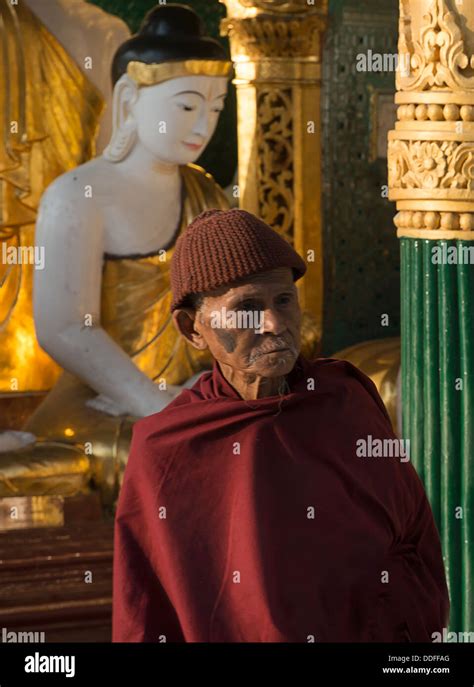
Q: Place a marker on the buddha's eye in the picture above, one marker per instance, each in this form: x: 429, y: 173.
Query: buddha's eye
x: 186, y: 108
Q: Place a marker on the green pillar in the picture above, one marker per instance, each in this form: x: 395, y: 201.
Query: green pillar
x: 438, y: 399
x: 431, y: 178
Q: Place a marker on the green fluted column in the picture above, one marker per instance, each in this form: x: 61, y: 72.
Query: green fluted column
x: 431, y: 180
x: 438, y: 402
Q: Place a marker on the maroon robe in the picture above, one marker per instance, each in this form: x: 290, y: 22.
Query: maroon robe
x: 258, y: 522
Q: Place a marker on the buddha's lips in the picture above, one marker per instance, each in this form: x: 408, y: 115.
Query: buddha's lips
x: 193, y: 146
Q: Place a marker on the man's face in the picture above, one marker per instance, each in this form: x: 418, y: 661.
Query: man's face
x: 254, y: 326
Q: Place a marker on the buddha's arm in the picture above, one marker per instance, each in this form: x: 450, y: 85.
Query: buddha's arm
x: 86, y: 31
x: 67, y: 295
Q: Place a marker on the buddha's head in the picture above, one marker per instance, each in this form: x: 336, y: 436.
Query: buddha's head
x: 170, y: 82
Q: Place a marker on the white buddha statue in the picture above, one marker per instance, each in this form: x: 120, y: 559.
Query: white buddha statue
x: 55, y: 94
x: 108, y: 228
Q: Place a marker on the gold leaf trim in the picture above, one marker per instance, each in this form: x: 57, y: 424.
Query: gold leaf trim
x: 151, y: 74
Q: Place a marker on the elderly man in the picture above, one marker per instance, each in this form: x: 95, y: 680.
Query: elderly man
x: 255, y: 507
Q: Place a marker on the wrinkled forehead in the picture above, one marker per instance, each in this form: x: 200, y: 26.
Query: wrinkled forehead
x: 277, y: 279
x: 207, y: 87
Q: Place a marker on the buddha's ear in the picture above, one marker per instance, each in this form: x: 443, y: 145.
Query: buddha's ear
x: 184, y: 320
x: 124, y: 126
x: 126, y: 91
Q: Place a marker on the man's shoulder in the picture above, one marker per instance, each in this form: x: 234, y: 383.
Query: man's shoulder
x: 336, y: 368
x: 150, y: 424
x: 336, y: 371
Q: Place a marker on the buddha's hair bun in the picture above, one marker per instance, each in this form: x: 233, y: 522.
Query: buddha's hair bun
x: 171, y: 32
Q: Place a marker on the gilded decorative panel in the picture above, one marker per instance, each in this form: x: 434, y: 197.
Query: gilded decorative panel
x: 275, y: 159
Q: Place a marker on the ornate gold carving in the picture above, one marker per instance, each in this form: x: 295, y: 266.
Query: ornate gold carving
x: 450, y: 221
x: 265, y: 37
x: 277, y: 5
x: 438, y: 58
x: 431, y: 152
x: 275, y: 160
x: 434, y: 112
x: 276, y: 48
x: 431, y: 165
x: 246, y: 8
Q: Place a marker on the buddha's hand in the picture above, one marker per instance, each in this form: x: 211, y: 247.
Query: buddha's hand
x: 106, y: 405
x: 11, y: 440
x: 140, y: 406
x: 175, y: 389
x: 192, y: 380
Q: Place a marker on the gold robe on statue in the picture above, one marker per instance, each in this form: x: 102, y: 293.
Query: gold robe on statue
x: 135, y: 311
x: 50, y: 113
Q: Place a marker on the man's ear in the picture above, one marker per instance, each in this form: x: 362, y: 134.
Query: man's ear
x: 184, y: 321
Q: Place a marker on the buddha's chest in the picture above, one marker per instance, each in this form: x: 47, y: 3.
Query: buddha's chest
x: 143, y: 225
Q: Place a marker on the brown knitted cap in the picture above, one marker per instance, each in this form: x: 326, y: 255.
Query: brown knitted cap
x: 223, y: 246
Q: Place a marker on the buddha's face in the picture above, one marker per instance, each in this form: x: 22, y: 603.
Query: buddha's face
x: 176, y: 119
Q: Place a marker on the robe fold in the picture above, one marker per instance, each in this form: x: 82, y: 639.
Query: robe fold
x: 260, y: 521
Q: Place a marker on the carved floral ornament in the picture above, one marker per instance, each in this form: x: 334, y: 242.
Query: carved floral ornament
x: 268, y: 37
x: 438, y: 59
x: 431, y: 165
x: 281, y: 6
x: 274, y: 28
x: 277, y: 5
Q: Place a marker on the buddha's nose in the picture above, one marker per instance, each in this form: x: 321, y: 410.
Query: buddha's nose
x: 201, y: 128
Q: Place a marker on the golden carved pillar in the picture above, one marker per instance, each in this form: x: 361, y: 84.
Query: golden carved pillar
x: 276, y: 49
x: 431, y: 178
